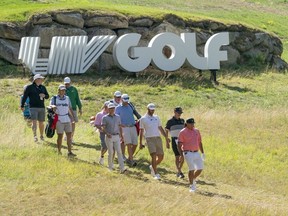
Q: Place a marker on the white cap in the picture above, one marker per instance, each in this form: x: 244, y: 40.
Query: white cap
x: 67, y: 80
x: 151, y: 106
x: 37, y: 76
x: 125, y: 98
x: 61, y: 87
x: 117, y: 94
x: 111, y: 105
x: 106, y: 104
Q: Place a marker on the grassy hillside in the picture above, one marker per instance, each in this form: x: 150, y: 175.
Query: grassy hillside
x: 268, y: 15
x: 243, y: 123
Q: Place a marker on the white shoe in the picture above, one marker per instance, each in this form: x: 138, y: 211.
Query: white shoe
x: 101, y: 161
x: 192, y: 188
x: 152, y: 170
x: 35, y: 139
x: 157, y: 176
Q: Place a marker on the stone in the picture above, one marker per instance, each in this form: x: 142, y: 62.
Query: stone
x: 11, y: 31
x: 279, y: 64
x: 46, y: 33
x: 233, y: 57
x: 141, y: 22
x: 175, y: 20
x: 9, y: 51
x: 107, y: 62
x: 41, y: 19
x: 112, y: 22
x: 72, y: 19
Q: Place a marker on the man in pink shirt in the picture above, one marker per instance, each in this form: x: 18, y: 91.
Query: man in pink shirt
x: 190, y: 144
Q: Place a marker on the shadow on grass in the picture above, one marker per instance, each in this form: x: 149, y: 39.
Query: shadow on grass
x: 236, y: 88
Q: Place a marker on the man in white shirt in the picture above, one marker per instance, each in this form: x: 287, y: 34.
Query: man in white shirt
x: 63, y: 109
x: 152, y: 126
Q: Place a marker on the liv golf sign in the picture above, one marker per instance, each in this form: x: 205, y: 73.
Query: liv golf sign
x: 74, y: 55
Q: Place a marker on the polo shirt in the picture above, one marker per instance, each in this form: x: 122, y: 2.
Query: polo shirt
x: 126, y: 115
x: 72, y: 93
x: 190, y: 139
x: 112, y: 124
x: 175, y: 125
x: 151, y: 125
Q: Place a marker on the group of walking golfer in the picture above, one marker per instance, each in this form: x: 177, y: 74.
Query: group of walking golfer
x: 118, y: 129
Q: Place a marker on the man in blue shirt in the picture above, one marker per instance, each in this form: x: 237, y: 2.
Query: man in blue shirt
x: 129, y: 133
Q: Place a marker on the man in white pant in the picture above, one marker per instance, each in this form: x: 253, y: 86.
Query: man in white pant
x: 111, y: 126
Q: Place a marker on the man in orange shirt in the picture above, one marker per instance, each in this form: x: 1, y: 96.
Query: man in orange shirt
x: 190, y: 143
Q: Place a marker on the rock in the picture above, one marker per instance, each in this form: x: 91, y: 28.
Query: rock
x: 46, y: 33
x: 98, y: 31
x: 41, y: 19
x: 165, y: 27
x: 107, y: 62
x: 175, y: 20
x: 73, y: 19
x: 9, y: 51
x: 11, y: 31
x: 233, y: 57
x: 141, y: 22
x: 140, y: 30
x: 112, y: 22
x: 217, y: 26
x: 201, y: 38
x: 279, y: 64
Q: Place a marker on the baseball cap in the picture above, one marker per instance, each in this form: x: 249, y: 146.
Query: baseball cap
x: 106, y: 104
x: 190, y: 121
x: 37, y: 76
x: 125, y: 98
x: 67, y: 80
x: 151, y: 106
x: 117, y: 94
x: 178, y: 110
x: 111, y: 105
x: 61, y: 87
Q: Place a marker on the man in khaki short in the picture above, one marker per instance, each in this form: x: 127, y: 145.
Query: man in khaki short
x: 152, y: 126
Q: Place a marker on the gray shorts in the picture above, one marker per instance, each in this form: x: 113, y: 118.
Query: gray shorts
x: 61, y: 127
x: 75, y: 115
x: 37, y: 114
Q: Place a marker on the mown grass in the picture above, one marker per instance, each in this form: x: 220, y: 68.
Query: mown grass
x: 269, y: 16
x: 243, y: 123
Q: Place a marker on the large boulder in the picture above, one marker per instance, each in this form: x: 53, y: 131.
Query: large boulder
x: 166, y: 27
x: 279, y: 64
x: 72, y: 19
x: 11, y: 31
x: 9, y: 50
x: 233, y: 57
x: 46, y: 33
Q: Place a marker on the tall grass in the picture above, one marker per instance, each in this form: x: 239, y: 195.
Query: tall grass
x: 243, y: 122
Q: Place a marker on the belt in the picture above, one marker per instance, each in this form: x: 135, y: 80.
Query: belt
x: 128, y: 125
x: 115, y: 134
x: 185, y: 152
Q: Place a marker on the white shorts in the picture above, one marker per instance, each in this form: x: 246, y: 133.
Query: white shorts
x: 194, y: 160
x: 130, y: 135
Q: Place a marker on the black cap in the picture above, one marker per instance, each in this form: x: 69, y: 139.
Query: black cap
x: 178, y: 110
x: 190, y: 121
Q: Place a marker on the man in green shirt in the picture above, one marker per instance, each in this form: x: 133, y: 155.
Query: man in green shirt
x: 72, y: 93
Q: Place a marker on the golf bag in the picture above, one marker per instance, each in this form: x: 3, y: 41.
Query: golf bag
x: 52, y: 119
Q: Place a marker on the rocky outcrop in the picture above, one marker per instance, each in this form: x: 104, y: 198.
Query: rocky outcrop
x: 246, y: 44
